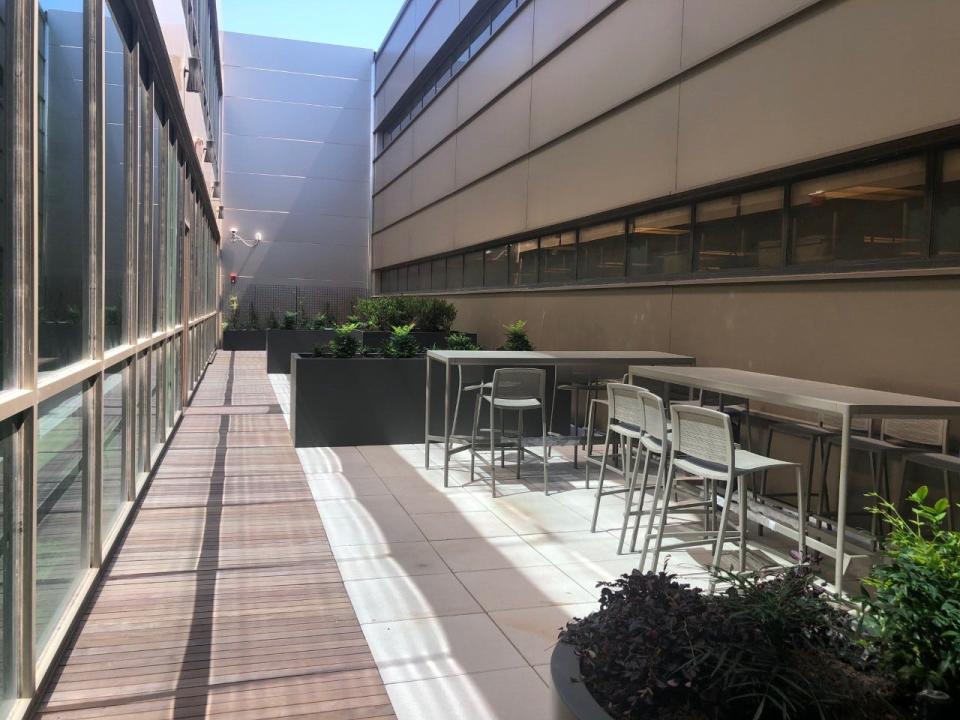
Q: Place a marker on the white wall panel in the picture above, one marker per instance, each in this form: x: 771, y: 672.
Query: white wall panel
x: 394, y: 202
x: 393, y: 161
x: 434, y: 32
x: 292, y: 194
x: 396, y: 43
x: 502, y: 61
x: 557, y: 20
x: 853, y: 74
x: 280, y: 156
x: 262, y: 118
x: 392, y: 245
x: 257, y: 51
x: 297, y: 87
x: 710, y: 26
x: 434, y: 176
x: 496, y: 137
x: 436, y: 122
x: 492, y: 208
x: 432, y: 231
x: 626, y: 158
x: 632, y: 49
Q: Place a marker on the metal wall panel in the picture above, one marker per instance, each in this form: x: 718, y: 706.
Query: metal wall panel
x: 336, y: 91
x: 492, y: 208
x: 269, y: 119
x: 282, y: 156
x: 435, y: 176
x: 497, y: 137
x: 557, y: 20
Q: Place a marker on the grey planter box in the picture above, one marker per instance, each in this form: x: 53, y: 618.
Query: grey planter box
x: 282, y: 343
x: 427, y: 340
x: 571, y: 699
x: 244, y: 339
x: 337, y: 402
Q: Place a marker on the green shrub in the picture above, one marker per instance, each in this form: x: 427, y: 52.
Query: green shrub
x: 234, y: 313
x: 460, y: 341
x: 320, y: 322
x: 915, y: 608
x: 290, y: 320
x: 384, y: 313
x: 434, y: 314
x: 253, y: 321
x: 401, y: 344
x: 345, y: 344
x: 771, y: 647
x: 517, y: 339
x: 272, y: 323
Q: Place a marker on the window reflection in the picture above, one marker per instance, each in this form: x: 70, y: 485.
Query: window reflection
x: 7, y: 687
x: 115, y: 185
x: 438, y: 275
x: 558, y: 258
x: 601, y: 251
x: 495, y: 266
x: 115, y: 417
x: 473, y: 270
x: 63, y: 242
x: 455, y: 272
x: 659, y: 243
x: 740, y: 231
x: 523, y: 262
x: 871, y: 214
x: 947, y: 241
x: 59, y: 507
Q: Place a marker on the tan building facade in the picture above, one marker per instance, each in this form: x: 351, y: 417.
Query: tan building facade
x: 770, y: 184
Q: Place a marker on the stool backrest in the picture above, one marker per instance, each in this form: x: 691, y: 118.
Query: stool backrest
x: 626, y: 407
x: 654, y: 416
x: 702, y: 434
x: 519, y: 383
x: 932, y: 433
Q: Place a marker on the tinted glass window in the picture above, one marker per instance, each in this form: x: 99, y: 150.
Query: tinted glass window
x: 523, y: 262
x: 947, y: 240
x: 601, y: 251
x: 495, y: 266
x: 473, y: 270
x: 740, y: 231
x: 871, y: 214
x: 660, y: 243
x: 558, y: 258
x: 455, y: 272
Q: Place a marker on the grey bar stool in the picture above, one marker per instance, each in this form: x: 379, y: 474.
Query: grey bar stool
x: 625, y: 423
x: 516, y: 390
x: 947, y: 464
x: 703, y: 447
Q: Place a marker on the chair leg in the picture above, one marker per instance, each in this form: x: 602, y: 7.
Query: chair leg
x: 493, y: 451
x: 823, y: 497
x: 811, y: 459
x: 519, y: 441
x: 669, y: 483
x: 823, y: 475
x: 657, y: 490
x: 591, y: 417
x: 748, y: 425
x: 742, y: 522
x: 543, y: 416
x: 456, y: 407
x: 802, y: 516
x: 721, y: 533
x: 603, y: 472
x: 473, y: 437
x: 503, y: 451
x: 631, y: 490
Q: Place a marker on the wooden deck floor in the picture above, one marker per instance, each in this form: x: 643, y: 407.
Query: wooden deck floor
x: 224, y: 599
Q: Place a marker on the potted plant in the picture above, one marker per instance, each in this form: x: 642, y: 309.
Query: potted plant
x: 517, y: 339
x: 295, y: 335
x: 237, y: 336
x: 344, y: 394
x: 432, y: 319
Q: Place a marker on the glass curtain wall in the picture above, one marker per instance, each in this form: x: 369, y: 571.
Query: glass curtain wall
x: 118, y: 357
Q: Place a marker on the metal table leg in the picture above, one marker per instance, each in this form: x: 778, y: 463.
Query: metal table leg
x: 842, y: 501
x: 426, y: 422
x: 446, y: 424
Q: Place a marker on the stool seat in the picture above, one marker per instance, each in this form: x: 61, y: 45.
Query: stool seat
x: 513, y: 404
x: 937, y: 461
x: 745, y: 462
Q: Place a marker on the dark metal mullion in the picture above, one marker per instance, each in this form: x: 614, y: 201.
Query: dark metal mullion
x: 934, y: 176
x: 785, y: 226
x: 131, y: 300
x: 694, y: 260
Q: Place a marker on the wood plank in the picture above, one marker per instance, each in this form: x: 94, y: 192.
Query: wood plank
x: 224, y: 598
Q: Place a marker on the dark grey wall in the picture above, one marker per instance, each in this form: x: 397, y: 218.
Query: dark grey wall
x: 296, y: 159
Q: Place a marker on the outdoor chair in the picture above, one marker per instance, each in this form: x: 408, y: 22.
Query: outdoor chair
x: 590, y: 458
x: 625, y: 424
x: 898, y: 437
x: 512, y: 390
x: 655, y: 441
x: 703, y: 448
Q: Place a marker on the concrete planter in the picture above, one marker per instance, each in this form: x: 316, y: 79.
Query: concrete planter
x: 571, y: 699
x: 282, y: 343
x: 427, y: 340
x: 244, y: 339
x: 336, y: 402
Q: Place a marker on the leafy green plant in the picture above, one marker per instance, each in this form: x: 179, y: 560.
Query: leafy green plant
x: 290, y: 319
x: 272, y: 323
x: 253, y: 320
x: 384, y: 313
x: 319, y: 322
x: 517, y: 339
x: 345, y: 344
x: 234, y: 313
x: 460, y: 341
x: 401, y: 343
x: 769, y: 647
x: 914, y: 609
x: 432, y: 314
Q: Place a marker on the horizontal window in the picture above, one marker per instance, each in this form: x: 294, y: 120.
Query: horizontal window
x: 844, y: 220
x: 660, y: 243
x: 438, y: 275
x: 740, y: 231
x: 947, y: 228
x: 495, y: 18
x: 870, y: 214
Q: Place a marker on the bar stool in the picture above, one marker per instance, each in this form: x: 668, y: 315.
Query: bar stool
x: 512, y: 390
x: 655, y: 441
x: 899, y: 437
x: 475, y: 385
x: 946, y: 464
x: 703, y: 447
x: 592, y: 432
x: 625, y: 422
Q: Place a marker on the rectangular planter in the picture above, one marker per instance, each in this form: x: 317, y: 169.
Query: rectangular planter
x: 244, y: 339
x: 427, y: 340
x: 338, y: 402
x: 281, y: 343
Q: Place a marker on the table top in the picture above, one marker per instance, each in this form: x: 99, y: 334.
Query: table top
x: 795, y: 392
x: 558, y: 357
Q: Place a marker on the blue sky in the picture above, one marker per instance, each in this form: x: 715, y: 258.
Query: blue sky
x: 359, y: 23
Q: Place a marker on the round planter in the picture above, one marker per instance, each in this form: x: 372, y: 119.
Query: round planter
x: 571, y: 699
